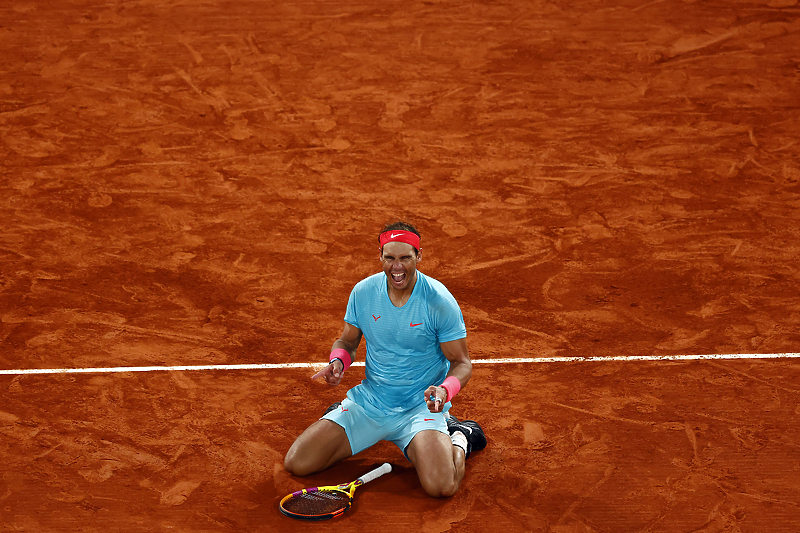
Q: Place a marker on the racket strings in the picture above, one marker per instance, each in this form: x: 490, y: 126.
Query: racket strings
x: 317, y: 503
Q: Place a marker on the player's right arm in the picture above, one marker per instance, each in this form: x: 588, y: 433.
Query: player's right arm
x: 348, y: 341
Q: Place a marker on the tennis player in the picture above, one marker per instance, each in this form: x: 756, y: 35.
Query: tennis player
x: 417, y: 361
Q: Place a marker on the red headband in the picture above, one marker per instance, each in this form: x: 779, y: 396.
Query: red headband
x: 399, y: 236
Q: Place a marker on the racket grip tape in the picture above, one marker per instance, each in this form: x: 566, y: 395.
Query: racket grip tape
x: 385, y: 468
x: 305, y: 491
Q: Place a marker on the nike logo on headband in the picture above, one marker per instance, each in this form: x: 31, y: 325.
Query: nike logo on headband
x: 399, y: 236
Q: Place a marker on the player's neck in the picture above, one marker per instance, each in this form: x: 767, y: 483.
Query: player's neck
x: 400, y: 297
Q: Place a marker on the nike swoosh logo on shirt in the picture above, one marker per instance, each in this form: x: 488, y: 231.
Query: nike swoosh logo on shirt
x: 414, y: 325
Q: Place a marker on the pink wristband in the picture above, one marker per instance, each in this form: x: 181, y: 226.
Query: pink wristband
x: 342, y: 355
x: 452, y: 386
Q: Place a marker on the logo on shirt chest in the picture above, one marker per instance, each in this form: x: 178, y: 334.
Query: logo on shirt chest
x: 411, y: 324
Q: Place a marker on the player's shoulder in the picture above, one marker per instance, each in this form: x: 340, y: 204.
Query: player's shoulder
x: 370, y: 283
x: 433, y: 288
x: 430, y: 282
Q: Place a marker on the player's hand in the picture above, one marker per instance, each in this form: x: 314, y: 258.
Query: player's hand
x: 435, y: 398
x: 332, y: 373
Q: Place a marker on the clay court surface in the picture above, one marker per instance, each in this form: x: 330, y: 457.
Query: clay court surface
x: 202, y: 183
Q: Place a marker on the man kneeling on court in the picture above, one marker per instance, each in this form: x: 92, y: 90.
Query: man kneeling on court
x: 417, y: 361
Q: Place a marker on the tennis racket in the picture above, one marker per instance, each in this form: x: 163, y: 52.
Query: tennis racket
x: 322, y: 503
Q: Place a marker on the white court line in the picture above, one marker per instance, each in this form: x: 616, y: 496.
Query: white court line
x: 501, y: 361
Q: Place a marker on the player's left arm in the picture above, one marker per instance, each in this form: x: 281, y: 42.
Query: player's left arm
x: 460, y: 368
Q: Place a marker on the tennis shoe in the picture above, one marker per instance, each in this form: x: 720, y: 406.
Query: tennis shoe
x: 476, y: 439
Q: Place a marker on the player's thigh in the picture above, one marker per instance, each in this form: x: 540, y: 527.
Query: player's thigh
x: 431, y: 453
x: 318, y: 447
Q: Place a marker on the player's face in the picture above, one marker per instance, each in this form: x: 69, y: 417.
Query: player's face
x: 400, y: 264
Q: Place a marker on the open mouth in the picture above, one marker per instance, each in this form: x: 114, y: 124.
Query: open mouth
x: 398, y: 278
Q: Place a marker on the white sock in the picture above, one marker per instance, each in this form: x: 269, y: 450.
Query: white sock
x: 459, y: 440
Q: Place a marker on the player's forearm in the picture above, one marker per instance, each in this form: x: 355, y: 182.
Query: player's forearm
x: 341, y: 344
x: 461, y: 370
x: 459, y: 374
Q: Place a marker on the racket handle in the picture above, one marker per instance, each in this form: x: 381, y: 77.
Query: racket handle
x: 385, y: 468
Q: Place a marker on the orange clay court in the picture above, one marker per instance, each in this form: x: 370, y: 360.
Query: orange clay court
x: 610, y: 189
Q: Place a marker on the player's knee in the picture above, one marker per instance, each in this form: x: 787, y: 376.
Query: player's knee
x: 288, y: 462
x: 293, y: 465
x: 440, y: 488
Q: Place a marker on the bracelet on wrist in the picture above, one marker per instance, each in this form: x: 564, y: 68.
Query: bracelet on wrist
x: 343, y: 356
x: 452, y: 386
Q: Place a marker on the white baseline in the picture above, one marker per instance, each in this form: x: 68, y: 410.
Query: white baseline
x: 498, y: 361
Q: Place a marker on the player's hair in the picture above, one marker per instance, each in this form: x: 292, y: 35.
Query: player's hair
x: 402, y: 226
